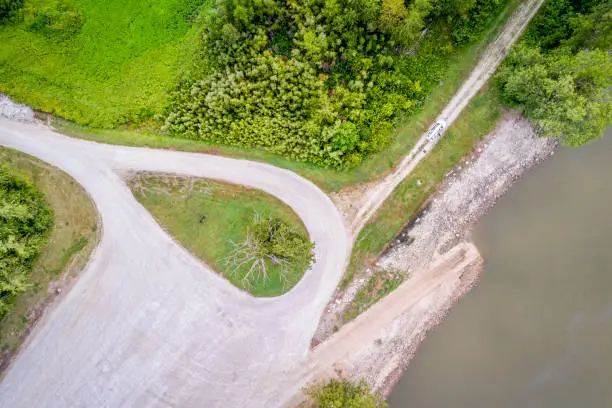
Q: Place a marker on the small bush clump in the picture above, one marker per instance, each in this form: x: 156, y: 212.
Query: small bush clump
x: 343, y: 394
x: 57, y: 22
x: 270, y: 243
x: 8, y: 7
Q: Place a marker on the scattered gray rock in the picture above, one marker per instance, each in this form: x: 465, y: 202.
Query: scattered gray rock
x: 15, y: 111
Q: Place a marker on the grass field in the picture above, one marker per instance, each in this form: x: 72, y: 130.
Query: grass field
x: 459, y: 66
x: 476, y: 121
x: 99, y: 63
x: 73, y: 237
x: 179, y: 203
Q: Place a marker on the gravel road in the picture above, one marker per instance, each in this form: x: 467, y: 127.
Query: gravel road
x: 488, y: 63
x: 147, y: 324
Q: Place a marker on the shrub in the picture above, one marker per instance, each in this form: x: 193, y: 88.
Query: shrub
x: 8, y: 7
x: 55, y: 22
x: 343, y: 394
x: 25, y: 223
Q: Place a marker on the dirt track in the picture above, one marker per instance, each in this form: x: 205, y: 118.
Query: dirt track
x: 373, y: 195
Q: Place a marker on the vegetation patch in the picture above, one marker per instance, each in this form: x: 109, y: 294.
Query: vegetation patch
x: 342, y: 393
x: 457, y: 67
x: 8, y: 8
x: 58, y: 230
x: 319, y: 81
x: 256, y: 241
x: 379, y: 285
x: 25, y: 224
x: 560, y: 75
x: 97, y: 63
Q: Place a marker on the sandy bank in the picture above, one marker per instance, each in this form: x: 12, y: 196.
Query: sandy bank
x: 442, y: 229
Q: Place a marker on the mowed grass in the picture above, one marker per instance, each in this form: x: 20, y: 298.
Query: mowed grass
x: 459, y: 67
x: 180, y: 203
x: 117, y: 68
x: 476, y: 121
x: 73, y: 237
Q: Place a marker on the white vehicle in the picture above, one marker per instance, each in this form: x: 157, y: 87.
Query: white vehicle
x: 434, y: 132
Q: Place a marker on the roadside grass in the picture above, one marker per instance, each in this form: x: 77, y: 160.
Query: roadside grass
x: 107, y: 63
x: 72, y: 239
x: 459, y: 67
x: 475, y: 122
x: 180, y: 203
x: 379, y: 285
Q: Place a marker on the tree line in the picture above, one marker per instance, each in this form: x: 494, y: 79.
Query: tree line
x: 560, y: 74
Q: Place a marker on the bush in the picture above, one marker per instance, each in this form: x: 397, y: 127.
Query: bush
x: 25, y: 224
x: 55, y: 22
x: 343, y: 394
x: 270, y: 243
x: 8, y: 7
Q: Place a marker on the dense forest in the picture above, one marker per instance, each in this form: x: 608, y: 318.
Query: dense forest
x: 25, y: 223
x: 560, y: 75
x: 322, y: 81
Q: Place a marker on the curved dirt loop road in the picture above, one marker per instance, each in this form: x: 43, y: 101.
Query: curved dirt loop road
x: 488, y: 63
x: 148, y: 325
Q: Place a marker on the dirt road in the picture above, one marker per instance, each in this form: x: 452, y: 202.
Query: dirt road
x: 147, y: 325
x: 490, y: 60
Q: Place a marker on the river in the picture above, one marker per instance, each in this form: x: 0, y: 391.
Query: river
x: 537, y: 331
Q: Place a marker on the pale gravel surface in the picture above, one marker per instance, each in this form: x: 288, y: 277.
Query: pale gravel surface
x: 15, y: 111
x: 148, y: 325
x: 510, y: 150
x: 364, y: 207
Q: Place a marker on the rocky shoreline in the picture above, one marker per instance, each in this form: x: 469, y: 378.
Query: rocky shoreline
x: 466, y: 194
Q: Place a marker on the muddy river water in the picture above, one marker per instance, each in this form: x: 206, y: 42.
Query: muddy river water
x: 537, y: 331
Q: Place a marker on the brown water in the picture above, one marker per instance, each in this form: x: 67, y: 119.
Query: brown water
x: 537, y: 331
